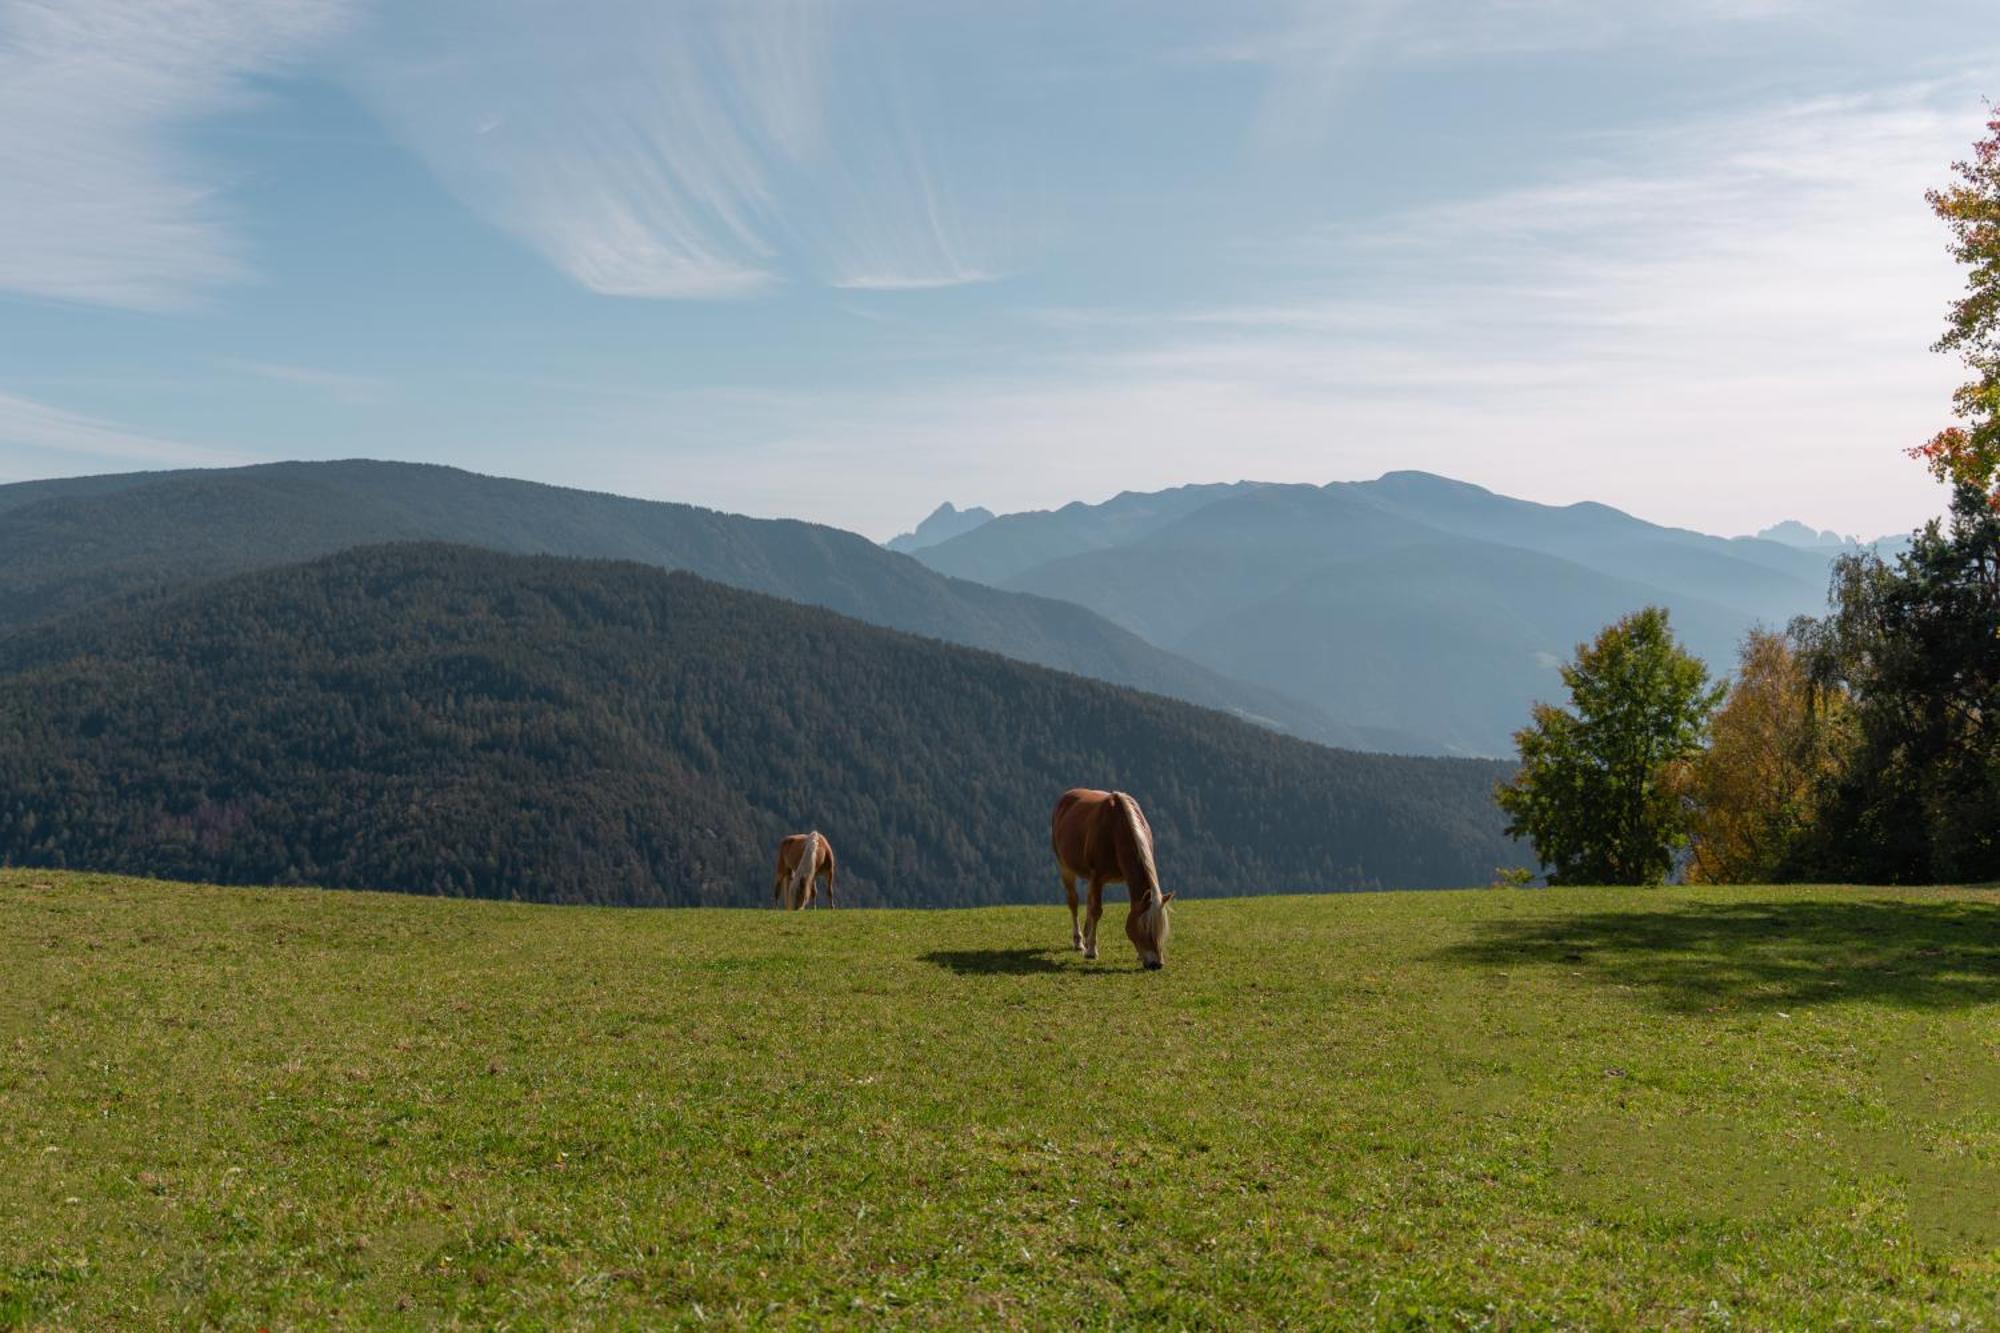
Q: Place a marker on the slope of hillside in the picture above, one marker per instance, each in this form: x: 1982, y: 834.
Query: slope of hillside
x: 1573, y: 1108
x: 65, y: 544
x: 1222, y: 557
x: 440, y: 719
x: 1451, y: 640
x: 1762, y: 579
x: 20, y: 494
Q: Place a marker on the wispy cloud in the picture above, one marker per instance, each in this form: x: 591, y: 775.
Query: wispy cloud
x: 1332, y: 35
x: 98, y: 203
x: 890, y: 219
x: 1315, y: 50
x: 628, y: 147
x: 865, y: 280
x: 669, y: 150
x: 77, y: 442
x: 338, y: 385
x: 1785, y: 233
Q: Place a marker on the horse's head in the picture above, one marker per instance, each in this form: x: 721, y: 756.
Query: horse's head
x: 1147, y: 928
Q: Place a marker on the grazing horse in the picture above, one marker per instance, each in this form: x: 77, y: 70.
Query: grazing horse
x: 1102, y: 837
x: 803, y: 858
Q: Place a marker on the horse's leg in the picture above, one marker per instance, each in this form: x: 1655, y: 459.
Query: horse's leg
x: 827, y: 868
x: 1075, y: 929
x: 1090, y: 918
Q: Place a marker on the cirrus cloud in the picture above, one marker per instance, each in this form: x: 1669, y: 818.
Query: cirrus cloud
x: 98, y: 202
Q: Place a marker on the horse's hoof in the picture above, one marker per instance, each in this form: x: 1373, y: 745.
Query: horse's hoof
x: 1090, y: 954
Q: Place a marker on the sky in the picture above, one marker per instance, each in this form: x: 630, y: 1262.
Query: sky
x: 845, y: 259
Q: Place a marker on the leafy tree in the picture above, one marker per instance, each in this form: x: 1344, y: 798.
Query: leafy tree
x: 1967, y: 456
x: 1600, y: 791
x: 1756, y: 789
x: 1916, y: 645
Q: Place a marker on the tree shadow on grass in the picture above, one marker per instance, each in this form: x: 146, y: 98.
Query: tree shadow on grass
x: 1002, y: 962
x: 1707, y: 957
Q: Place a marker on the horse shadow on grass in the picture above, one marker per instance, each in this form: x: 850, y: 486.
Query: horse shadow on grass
x: 1712, y: 957
x: 1009, y: 962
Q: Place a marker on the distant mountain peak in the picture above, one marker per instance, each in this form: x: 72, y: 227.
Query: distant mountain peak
x: 1791, y: 532
x: 945, y: 522
x: 1410, y: 476
x: 1415, y: 485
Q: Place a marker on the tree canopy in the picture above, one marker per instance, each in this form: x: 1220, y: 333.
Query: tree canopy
x: 1600, y: 788
x: 1916, y: 646
x: 1775, y: 742
x: 1967, y: 456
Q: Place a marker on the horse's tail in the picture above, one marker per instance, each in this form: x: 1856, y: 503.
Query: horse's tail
x: 802, y: 874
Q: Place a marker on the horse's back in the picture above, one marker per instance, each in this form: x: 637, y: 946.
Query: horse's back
x: 794, y: 846
x: 1073, y: 826
x: 1073, y: 805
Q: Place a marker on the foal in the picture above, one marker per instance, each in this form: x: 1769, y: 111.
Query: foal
x: 803, y: 858
x: 1102, y: 837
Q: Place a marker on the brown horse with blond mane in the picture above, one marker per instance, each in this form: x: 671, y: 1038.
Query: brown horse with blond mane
x: 1101, y: 837
x: 803, y: 859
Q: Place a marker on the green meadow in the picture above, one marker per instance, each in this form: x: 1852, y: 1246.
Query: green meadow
x: 1499, y: 1109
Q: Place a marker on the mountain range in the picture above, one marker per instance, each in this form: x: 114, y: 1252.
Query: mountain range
x: 1408, y: 614
x: 1828, y: 542
x: 417, y: 677
x: 66, y: 544
x: 1412, y: 604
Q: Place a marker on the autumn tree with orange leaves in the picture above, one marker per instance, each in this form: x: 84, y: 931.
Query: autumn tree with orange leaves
x: 1967, y: 455
x: 1776, y: 744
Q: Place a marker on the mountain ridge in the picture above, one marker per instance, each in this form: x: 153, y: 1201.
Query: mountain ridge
x: 1231, y: 576
x: 66, y: 543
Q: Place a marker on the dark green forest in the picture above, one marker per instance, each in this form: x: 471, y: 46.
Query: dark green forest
x: 438, y: 719
x: 1913, y: 651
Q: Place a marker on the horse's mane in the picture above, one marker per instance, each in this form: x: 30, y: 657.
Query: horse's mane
x: 1142, y: 837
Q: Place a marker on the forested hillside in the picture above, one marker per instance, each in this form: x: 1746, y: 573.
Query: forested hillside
x: 65, y: 544
x: 439, y: 719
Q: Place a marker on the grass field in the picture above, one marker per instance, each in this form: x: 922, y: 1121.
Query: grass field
x: 1748, y: 1108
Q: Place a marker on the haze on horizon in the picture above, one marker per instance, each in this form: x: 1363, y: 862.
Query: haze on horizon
x: 843, y: 261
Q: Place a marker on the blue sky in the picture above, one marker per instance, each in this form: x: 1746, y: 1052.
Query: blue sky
x: 845, y: 260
